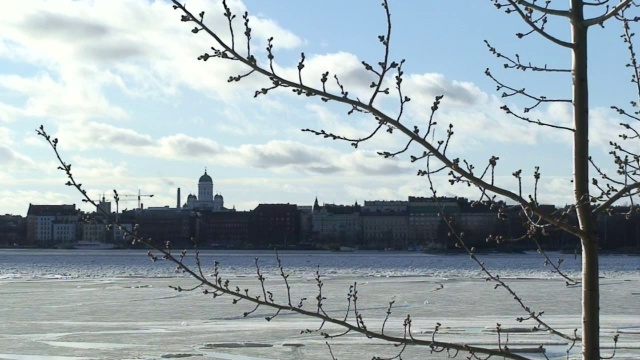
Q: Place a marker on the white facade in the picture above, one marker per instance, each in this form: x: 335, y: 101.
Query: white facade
x: 51, y: 229
x: 218, y: 203
x: 64, y: 232
x: 44, y: 228
x: 205, y: 188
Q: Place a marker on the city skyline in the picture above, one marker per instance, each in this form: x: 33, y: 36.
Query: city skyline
x: 119, y: 84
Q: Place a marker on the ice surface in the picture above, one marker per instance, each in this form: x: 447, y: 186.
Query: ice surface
x: 70, y: 305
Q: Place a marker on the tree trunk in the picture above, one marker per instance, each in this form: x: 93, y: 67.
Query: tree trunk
x: 590, y: 286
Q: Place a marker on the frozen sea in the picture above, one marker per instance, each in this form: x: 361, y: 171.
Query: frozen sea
x: 116, y: 304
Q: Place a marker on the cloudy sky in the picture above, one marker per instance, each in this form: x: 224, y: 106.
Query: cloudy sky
x: 118, y: 82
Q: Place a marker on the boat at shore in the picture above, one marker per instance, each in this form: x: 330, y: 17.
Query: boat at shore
x: 347, y: 249
x: 92, y: 245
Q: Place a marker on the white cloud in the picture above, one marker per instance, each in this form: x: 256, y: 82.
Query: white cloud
x: 92, y: 170
x: 350, y: 126
x: 8, y: 113
x: 557, y: 190
x: 85, y: 136
x: 425, y: 87
x: 9, y: 157
x: 183, y: 147
x: 282, y: 155
x: 605, y: 127
x: 82, y: 48
x: 346, y: 66
x: 64, y: 99
x: 14, y: 159
x: 265, y: 28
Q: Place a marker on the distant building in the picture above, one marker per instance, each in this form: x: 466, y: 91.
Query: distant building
x: 95, y: 231
x: 122, y: 234
x: 477, y: 221
x: 619, y: 229
x: 385, y: 224
x: 337, y: 225
x: 104, y: 208
x: 426, y: 224
x: 159, y: 225
x: 226, y: 229
x: 306, y: 223
x: 13, y: 230
x: 272, y: 225
x: 52, y: 225
x: 385, y: 206
x: 205, y: 200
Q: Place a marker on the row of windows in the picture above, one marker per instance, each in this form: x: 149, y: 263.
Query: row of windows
x: 385, y: 236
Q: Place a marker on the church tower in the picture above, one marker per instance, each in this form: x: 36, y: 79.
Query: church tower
x: 205, y: 188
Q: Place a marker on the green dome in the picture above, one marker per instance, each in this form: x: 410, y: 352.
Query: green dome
x: 205, y: 178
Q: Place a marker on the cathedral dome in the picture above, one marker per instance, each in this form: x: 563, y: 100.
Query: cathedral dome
x: 205, y: 178
x: 218, y: 196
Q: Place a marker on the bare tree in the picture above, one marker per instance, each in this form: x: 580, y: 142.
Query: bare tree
x: 435, y: 158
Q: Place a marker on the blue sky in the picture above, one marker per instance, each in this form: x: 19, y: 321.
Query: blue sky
x: 118, y: 82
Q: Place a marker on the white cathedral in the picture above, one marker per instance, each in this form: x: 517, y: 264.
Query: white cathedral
x: 205, y: 199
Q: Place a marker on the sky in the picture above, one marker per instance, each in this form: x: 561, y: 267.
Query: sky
x: 119, y: 83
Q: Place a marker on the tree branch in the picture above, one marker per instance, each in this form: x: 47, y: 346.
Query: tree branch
x: 622, y: 192
x: 605, y: 17
x: 544, y: 10
x: 537, y: 28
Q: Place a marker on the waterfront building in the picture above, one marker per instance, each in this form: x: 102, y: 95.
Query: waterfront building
x: 274, y: 225
x: 159, y: 225
x: 122, y: 234
x: 306, y: 223
x: 477, y: 221
x: 385, y: 224
x: 104, y: 208
x: 13, y: 230
x: 52, y: 225
x: 336, y: 225
x: 426, y: 224
x: 94, y: 231
x: 222, y: 229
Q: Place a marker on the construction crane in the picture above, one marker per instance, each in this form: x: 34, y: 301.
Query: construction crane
x: 140, y: 195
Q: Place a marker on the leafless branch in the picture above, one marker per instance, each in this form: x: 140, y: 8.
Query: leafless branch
x: 544, y: 10
x: 518, y: 65
x: 536, y: 28
x: 613, y: 12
